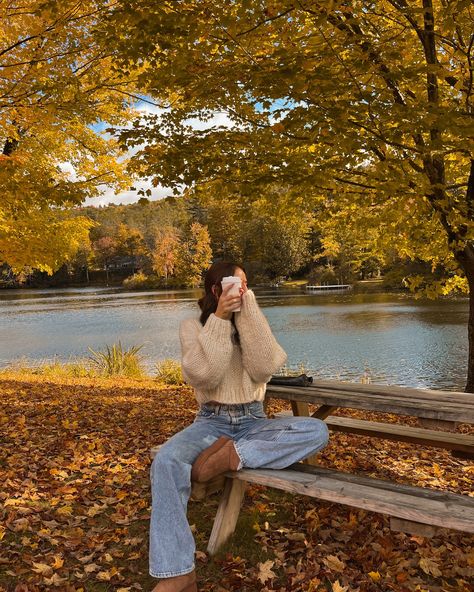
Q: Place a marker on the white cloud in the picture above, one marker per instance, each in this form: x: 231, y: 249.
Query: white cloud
x: 218, y: 119
x: 66, y: 167
x: 126, y: 197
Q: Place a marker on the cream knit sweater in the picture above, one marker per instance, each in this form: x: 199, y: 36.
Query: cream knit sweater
x: 221, y: 370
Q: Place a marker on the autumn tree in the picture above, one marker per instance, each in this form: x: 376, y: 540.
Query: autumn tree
x: 130, y: 243
x: 194, y: 256
x: 57, y: 83
x: 268, y: 230
x: 165, y: 254
x: 365, y: 107
x: 104, y: 250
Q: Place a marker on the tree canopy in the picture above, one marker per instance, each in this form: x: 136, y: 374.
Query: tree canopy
x: 57, y: 82
x: 365, y: 107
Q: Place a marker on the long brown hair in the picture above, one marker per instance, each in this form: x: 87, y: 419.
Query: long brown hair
x: 213, y: 278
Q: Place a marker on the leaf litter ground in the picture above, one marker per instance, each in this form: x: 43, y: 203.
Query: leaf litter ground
x: 75, y: 502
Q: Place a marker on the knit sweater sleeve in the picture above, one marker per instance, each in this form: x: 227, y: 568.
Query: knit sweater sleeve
x: 261, y: 353
x: 205, y: 351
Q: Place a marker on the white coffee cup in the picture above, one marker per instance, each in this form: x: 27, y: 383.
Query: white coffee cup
x: 235, y: 290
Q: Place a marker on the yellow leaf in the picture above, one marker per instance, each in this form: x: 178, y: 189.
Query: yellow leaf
x: 65, y: 510
x: 375, y: 576
x: 58, y: 562
x: 336, y: 587
x: 105, y: 576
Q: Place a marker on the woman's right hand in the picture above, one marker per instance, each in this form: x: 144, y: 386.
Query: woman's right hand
x: 227, y: 303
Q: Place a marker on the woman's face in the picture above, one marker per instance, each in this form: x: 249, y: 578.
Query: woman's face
x: 241, y: 274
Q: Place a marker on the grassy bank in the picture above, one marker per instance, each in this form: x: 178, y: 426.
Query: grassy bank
x: 75, y: 502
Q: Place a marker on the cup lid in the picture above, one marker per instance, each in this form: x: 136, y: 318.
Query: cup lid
x: 234, y: 279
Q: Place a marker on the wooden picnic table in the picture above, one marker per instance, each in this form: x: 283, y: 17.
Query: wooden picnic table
x: 412, y: 509
x: 442, y: 410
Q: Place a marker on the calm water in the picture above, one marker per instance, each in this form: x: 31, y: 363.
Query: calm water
x: 392, y: 338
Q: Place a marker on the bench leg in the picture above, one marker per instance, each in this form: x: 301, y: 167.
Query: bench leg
x: 227, y: 514
x: 302, y: 409
x: 409, y: 527
x: 438, y: 424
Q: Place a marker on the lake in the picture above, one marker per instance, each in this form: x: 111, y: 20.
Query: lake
x: 387, y: 338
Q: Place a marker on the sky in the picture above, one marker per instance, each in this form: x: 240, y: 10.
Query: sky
x: 128, y: 197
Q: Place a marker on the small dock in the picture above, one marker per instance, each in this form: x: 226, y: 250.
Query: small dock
x: 329, y: 287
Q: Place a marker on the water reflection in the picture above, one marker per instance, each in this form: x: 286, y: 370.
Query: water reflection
x: 391, y: 338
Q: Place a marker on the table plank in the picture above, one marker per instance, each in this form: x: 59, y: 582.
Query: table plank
x: 370, y: 401
x: 403, y: 433
x: 375, y: 495
x: 398, y: 391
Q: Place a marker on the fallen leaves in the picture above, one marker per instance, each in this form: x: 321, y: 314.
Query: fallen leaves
x: 75, y: 504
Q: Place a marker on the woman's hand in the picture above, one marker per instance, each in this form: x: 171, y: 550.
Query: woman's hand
x: 227, y: 303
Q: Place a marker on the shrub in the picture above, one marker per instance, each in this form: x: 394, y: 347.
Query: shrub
x: 57, y: 369
x: 322, y: 275
x: 169, y: 371
x: 140, y: 280
x: 116, y: 361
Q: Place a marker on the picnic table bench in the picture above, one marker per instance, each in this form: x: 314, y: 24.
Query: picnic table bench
x: 412, y: 509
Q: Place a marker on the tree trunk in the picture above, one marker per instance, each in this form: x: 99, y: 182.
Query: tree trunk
x: 470, y: 332
x: 466, y: 259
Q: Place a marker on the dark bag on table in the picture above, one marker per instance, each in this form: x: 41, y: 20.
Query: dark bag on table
x: 301, y: 380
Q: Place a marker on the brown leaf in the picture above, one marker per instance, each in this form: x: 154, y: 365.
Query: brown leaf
x: 334, y: 563
x: 42, y: 568
x: 430, y: 567
x: 265, y: 572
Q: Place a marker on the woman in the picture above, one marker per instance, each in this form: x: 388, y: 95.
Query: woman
x: 228, y: 357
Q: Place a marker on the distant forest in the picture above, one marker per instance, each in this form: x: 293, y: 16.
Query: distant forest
x: 170, y: 242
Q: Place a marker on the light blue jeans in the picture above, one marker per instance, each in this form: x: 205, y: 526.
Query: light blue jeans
x: 259, y: 441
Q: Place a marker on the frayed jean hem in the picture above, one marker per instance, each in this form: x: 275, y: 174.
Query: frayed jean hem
x: 241, y: 463
x: 171, y: 574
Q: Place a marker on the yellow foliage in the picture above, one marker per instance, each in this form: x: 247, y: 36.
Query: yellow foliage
x: 56, y: 84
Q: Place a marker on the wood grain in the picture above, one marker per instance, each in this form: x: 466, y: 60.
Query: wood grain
x: 389, y: 400
x: 375, y: 495
x: 227, y: 514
